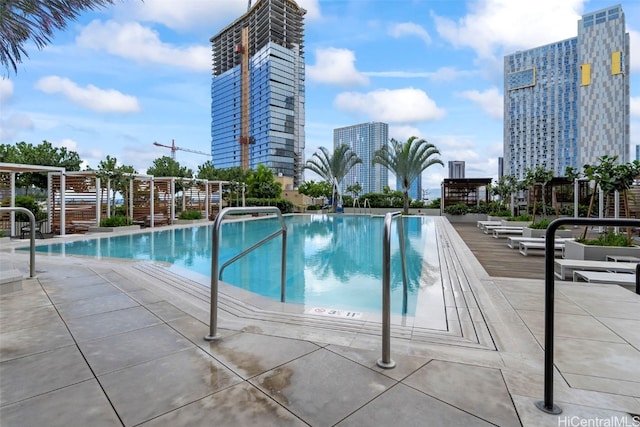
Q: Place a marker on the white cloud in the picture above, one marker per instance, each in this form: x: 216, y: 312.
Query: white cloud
x: 13, y: 124
x: 91, y: 97
x: 634, y: 55
x: 490, y: 100
x: 442, y: 74
x: 336, y: 66
x: 494, y: 24
x: 134, y: 41
x: 391, y: 106
x: 403, y: 132
x: 189, y: 14
x: 409, y: 29
x: 6, y: 90
x: 635, y: 105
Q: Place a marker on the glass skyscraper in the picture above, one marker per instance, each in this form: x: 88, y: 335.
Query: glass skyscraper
x: 260, y: 106
x: 567, y: 103
x: 364, y: 139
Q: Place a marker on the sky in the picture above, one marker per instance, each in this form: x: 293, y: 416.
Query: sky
x: 119, y: 79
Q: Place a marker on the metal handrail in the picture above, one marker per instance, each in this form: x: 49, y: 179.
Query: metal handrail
x: 215, y: 276
x: 547, y: 404
x: 386, y: 361
x: 32, y: 235
x: 364, y: 206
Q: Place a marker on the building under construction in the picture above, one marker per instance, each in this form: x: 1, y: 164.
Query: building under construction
x: 257, y: 90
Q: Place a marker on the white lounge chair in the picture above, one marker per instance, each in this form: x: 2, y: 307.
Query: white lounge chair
x: 501, y: 232
x: 489, y: 228
x: 514, y: 242
x: 538, y: 247
x: 604, y: 277
x: 563, y: 268
x: 482, y: 224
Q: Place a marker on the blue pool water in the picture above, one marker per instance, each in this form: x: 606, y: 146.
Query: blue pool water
x: 332, y: 261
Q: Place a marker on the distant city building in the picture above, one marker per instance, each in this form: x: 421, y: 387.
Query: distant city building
x: 500, y: 167
x: 567, y: 103
x: 257, y: 90
x: 638, y: 152
x: 364, y: 139
x: 456, y: 169
x: 415, y: 190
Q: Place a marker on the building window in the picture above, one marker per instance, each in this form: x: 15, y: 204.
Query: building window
x: 616, y: 63
x: 585, y: 72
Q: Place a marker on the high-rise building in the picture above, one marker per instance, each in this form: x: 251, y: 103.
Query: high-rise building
x: 638, y: 152
x: 500, y: 167
x: 415, y: 190
x: 364, y: 139
x: 567, y: 103
x: 257, y: 90
x: 456, y: 169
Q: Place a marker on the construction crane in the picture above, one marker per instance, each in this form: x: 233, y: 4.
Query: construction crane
x: 174, y: 149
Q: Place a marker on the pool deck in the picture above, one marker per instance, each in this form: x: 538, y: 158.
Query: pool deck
x: 112, y: 343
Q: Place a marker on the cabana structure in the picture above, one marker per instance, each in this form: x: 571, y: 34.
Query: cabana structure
x: 77, y: 201
x: 469, y: 191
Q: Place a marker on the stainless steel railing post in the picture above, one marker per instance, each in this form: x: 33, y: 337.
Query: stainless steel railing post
x: 215, y: 275
x: 386, y: 361
x: 32, y: 235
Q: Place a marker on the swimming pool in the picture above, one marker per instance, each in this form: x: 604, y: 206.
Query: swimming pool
x: 333, y: 261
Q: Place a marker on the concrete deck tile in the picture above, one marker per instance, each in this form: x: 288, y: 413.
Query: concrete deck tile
x: 166, y: 311
x: 36, y: 339
x: 62, y: 295
x: 407, y: 407
x: 82, y: 404
x: 156, y: 387
x: 111, y: 323
x: 40, y: 373
x: 322, y: 388
x: 473, y: 389
x: 570, y: 326
x: 221, y: 409
x: 91, y: 306
x: 130, y: 348
x: 250, y: 354
x: 14, y: 317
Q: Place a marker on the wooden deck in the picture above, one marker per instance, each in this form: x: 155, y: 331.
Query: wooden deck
x: 496, y: 257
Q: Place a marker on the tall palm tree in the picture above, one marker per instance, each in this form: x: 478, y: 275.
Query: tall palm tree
x: 407, y: 161
x: 22, y: 20
x: 333, y: 167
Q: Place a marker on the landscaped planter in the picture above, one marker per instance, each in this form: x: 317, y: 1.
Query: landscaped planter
x: 506, y: 223
x: 474, y: 218
x: 576, y: 250
x: 190, y: 221
x: 495, y: 218
x: 541, y: 232
x: 112, y: 229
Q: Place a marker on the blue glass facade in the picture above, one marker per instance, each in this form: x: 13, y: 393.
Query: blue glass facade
x: 275, y: 91
x: 415, y: 190
x: 364, y: 139
x: 567, y: 103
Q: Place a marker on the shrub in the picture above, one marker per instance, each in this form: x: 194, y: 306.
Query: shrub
x: 434, y: 204
x: 540, y: 225
x: 285, y: 206
x: 523, y: 217
x: 190, y: 215
x: 313, y: 207
x: 607, y: 239
x: 29, y: 203
x: 115, y: 221
x: 504, y: 212
x: 457, y: 209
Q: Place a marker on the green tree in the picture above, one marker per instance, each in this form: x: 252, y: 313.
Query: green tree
x: 119, y: 177
x: 333, y: 167
x: 315, y: 190
x: 539, y: 177
x: 506, y: 186
x: 354, y: 189
x: 407, y: 161
x: 22, y: 21
x: 166, y: 166
x: 44, y: 154
x: 261, y: 184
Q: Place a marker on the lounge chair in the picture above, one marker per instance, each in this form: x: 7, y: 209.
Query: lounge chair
x: 501, y: 232
x: 538, y: 247
x: 489, y: 228
x: 26, y: 230
x: 604, y: 277
x: 563, y: 268
x: 482, y: 224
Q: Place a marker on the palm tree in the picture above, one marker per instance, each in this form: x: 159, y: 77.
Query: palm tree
x: 333, y: 168
x: 407, y: 161
x: 22, y: 20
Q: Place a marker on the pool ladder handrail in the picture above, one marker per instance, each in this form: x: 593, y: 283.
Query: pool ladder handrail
x: 32, y: 235
x: 215, y: 276
x: 386, y: 361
